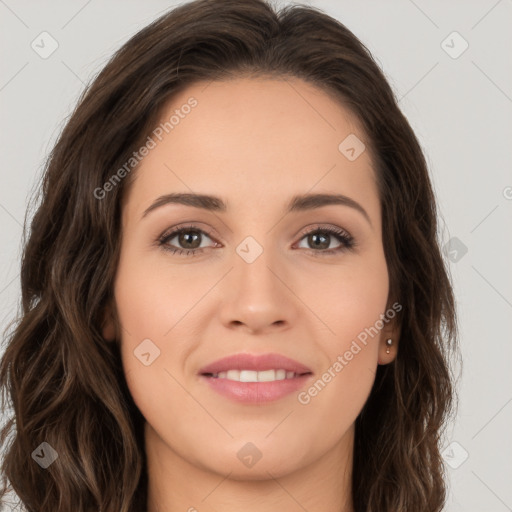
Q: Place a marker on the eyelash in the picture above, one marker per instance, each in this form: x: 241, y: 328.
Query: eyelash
x: 347, y: 241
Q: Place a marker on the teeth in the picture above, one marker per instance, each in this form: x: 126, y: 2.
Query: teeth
x: 254, y: 376
x: 248, y: 376
x: 266, y: 376
x: 233, y: 375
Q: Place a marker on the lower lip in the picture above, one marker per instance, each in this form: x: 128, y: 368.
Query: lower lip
x: 256, y: 392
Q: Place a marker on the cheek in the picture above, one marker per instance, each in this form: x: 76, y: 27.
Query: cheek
x: 150, y: 303
x: 335, y: 399
x: 350, y: 307
x: 348, y: 299
x: 152, y: 296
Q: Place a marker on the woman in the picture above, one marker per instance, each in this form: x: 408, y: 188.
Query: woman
x: 233, y: 295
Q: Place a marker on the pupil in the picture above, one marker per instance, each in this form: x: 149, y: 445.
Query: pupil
x: 186, y: 239
x: 323, y: 245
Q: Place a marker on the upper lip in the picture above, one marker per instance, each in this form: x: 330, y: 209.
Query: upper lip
x: 257, y: 362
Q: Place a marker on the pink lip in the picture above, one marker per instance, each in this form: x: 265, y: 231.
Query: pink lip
x: 260, y: 362
x: 255, y: 392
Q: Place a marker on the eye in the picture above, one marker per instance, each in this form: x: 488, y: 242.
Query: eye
x: 189, y: 239
x: 320, y: 238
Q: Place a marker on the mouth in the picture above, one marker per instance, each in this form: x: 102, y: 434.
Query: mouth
x: 263, y: 364
x: 252, y: 378
x: 271, y: 375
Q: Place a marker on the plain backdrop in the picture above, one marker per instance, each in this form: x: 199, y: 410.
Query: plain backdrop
x: 449, y: 64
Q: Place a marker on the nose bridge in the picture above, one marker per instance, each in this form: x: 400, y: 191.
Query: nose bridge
x: 257, y: 296
x: 253, y: 268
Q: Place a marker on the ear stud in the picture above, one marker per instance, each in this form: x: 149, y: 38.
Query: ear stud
x: 389, y: 342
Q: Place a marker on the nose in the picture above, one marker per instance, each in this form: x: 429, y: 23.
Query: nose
x: 257, y: 297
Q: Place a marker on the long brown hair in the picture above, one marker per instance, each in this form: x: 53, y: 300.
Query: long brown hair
x: 66, y: 385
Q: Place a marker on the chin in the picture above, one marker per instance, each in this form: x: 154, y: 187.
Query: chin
x: 254, y: 461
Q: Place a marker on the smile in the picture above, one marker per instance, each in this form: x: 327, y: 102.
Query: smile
x: 255, y: 376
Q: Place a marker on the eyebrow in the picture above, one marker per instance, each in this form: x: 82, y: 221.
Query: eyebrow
x: 297, y: 203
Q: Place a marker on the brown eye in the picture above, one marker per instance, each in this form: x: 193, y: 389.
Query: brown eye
x: 318, y: 240
x: 186, y: 240
x: 189, y: 239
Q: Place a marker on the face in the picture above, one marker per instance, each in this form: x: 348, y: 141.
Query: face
x: 252, y: 273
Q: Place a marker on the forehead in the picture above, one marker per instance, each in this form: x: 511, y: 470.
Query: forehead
x: 254, y: 141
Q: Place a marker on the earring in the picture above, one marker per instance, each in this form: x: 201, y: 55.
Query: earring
x: 389, y: 342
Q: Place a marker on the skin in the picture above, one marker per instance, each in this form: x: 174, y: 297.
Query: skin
x: 255, y: 143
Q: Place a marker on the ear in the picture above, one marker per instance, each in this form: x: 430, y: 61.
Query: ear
x: 391, y: 331
x: 108, y: 327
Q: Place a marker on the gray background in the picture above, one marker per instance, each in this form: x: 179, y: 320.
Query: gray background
x: 460, y: 109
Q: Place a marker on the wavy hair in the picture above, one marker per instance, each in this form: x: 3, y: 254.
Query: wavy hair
x: 64, y: 384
